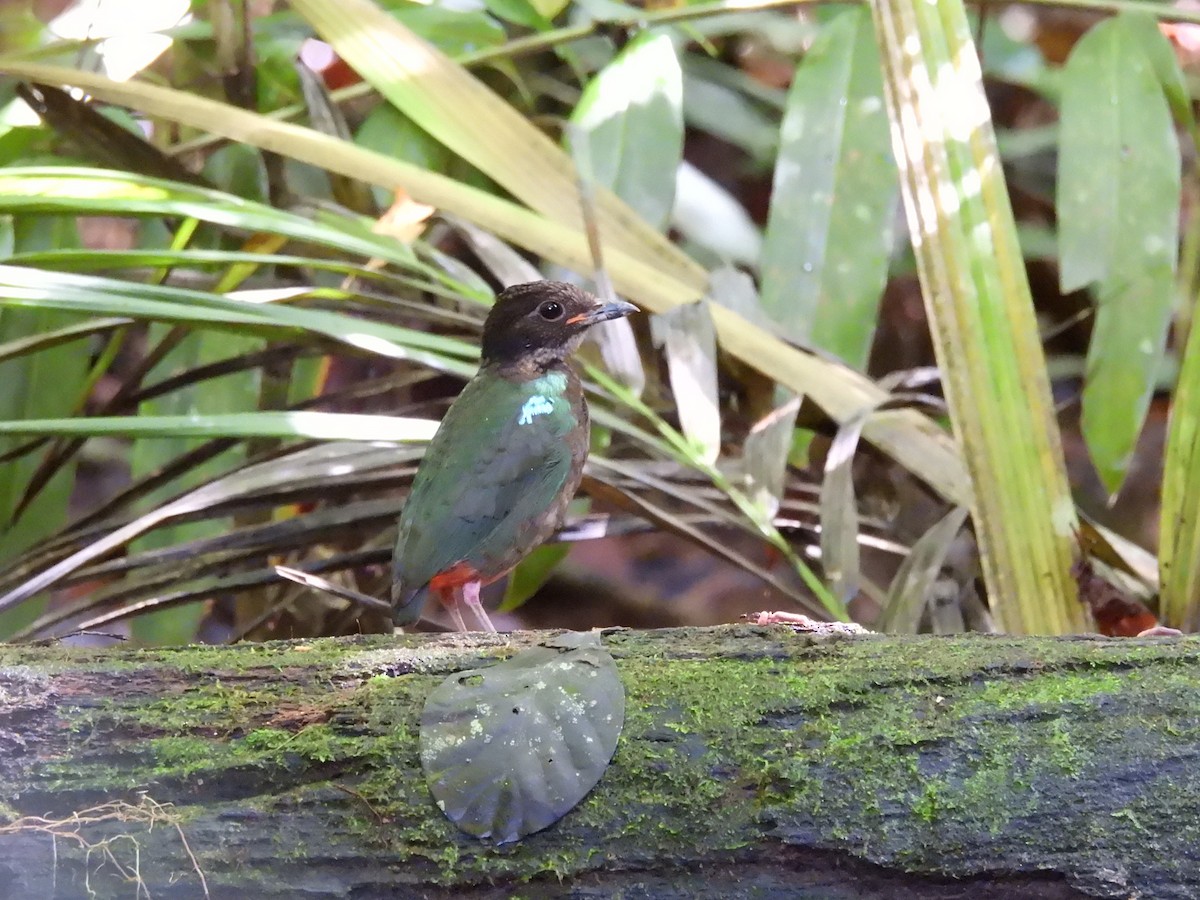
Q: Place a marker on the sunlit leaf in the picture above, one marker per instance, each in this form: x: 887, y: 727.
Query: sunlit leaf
x: 711, y: 219
x: 766, y: 450
x: 455, y: 107
x: 631, y: 116
x: 80, y: 191
x: 511, y: 749
x: 686, y: 335
x: 90, y: 294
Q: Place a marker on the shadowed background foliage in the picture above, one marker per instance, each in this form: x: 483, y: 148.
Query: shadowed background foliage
x: 247, y: 250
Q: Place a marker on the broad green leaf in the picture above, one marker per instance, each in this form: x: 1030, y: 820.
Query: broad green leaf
x: 388, y: 131
x: 510, y: 749
x: 1141, y: 27
x: 519, y: 12
x: 1118, y: 225
x: 726, y: 113
x: 453, y: 30
x: 829, y: 235
x: 980, y: 312
x: 631, y: 114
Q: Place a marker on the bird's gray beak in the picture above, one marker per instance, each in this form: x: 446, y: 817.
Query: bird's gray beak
x: 603, y: 313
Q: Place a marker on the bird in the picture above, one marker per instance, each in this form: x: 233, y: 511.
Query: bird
x: 497, y: 476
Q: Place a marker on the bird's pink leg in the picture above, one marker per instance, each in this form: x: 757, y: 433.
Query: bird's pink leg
x: 449, y: 598
x: 470, y: 596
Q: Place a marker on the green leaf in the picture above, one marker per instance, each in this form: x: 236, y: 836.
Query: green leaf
x: 913, y: 583
x: 452, y: 30
x: 839, y: 511
x: 456, y: 108
x: 519, y: 12
x: 1142, y: 28
x: 1179, y: 522
x: 829, y: 235
x: 724, y: 112
x: 687, y: 337
x: 47, y: 383
x: 80, y: 191
x: 388, y: 131
x: 511, y: 749
x: 90, y: 294
x: 291, y: 424
x: 1118, y: 215
x: 531, y: 573
x: 632, y: 116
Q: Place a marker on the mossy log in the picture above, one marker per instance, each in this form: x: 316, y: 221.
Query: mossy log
x: 754, y: 762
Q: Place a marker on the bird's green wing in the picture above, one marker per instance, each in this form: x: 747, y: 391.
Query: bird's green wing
x: 491, y: 481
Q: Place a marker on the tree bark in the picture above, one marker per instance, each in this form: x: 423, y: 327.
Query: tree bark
x: 754, y: 762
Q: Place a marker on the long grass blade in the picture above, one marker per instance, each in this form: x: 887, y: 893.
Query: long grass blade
x: 980, y: 311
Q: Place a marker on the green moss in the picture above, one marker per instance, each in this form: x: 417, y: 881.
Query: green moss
x: 1051, y: 690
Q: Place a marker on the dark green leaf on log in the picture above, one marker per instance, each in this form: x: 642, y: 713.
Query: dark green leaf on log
x: 510, y: 749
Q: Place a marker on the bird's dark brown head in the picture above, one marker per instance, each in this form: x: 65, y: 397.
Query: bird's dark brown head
x: 542, y: 322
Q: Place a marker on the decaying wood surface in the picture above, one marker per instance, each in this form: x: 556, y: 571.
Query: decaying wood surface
x: 754, y: 762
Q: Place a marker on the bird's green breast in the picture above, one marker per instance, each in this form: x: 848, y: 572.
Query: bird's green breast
x: 496, y: 477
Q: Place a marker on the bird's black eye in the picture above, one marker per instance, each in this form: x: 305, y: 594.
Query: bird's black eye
x: 550, y: 310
